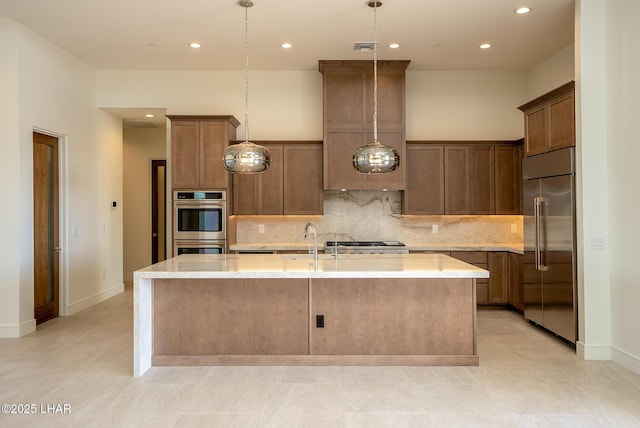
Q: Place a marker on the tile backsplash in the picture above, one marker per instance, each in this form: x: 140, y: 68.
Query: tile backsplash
x: 377, y: 215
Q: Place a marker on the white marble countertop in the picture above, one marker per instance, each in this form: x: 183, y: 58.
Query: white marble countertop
x: 412, y: 246
x: 301, y: 266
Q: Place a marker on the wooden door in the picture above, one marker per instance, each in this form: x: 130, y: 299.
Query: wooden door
x: 45, y: 228
x: 158, y: 211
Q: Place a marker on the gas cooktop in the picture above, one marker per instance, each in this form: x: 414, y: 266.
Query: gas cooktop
x: 364, y: 244
x: 365, y: 247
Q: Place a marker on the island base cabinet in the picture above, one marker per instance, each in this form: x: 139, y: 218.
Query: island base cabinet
x: 230, y: 317
x: 406, y: 317
x: 273, y: 321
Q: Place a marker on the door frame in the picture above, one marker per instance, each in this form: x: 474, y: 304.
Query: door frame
x: 63, y: 259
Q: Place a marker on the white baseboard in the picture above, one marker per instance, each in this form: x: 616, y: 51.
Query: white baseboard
x: 97, y: 298
x: 626, y: 359
x: 18, y: 330
x: 593, y: 352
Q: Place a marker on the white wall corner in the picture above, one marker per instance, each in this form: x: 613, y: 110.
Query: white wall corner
x: 625, y: 359
x: 593, y: 352
x: 95, y: 299
x: 18, y: 330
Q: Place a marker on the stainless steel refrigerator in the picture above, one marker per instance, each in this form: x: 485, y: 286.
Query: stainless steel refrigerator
x: 549, y: 242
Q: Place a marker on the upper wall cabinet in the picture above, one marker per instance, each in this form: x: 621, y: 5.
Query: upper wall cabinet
x: 197, y: 144
x: 549, y: 121
x: 291, y: 185
x: 348, y: 103
x: 463, y: 178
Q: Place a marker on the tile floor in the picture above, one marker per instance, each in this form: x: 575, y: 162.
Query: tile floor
x: 526, y: 378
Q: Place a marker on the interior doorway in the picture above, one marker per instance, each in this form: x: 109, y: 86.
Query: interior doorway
x: 158, y: 211
x: 46, y: 247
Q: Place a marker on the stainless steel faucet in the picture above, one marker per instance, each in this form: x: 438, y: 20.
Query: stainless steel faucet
x: 315, y: 242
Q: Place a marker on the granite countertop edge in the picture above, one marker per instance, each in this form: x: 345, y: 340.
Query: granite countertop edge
x: 412, y: 246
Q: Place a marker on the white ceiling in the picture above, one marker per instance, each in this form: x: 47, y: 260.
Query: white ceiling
x: 434, y: 34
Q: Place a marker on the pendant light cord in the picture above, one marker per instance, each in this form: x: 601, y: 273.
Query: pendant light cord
x: 375, y: 71
x: 246, y: 74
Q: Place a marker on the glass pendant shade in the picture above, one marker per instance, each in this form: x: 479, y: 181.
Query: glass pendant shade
x: 376, y: 158
x: 246, y: 158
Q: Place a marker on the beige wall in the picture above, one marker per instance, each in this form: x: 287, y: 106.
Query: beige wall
x: 623, y: 152
x: 140, y: 147
x: 555, y: 71
x: 287, y: 105
x: 50, y: 91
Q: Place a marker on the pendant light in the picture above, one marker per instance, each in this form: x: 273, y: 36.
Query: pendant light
x: 246, y: 157
x: 375, y: 157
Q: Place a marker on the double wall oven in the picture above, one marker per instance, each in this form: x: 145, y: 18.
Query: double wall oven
x: 199, y: 222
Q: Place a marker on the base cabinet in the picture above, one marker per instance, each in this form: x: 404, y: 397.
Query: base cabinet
x: 312, y: 321
x: 408, y: 317
x: 504, y: 285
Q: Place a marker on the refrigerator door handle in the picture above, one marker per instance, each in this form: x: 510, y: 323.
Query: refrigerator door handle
x: 540, y: 224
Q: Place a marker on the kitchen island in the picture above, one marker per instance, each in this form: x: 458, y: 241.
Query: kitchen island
x: 272, y: 309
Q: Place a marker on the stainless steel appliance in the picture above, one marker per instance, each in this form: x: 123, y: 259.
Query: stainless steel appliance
x: 365, y: 247
x: 549, y: 242
x: 199, y: 222
x: 199, y: 215
x: 195, y: 246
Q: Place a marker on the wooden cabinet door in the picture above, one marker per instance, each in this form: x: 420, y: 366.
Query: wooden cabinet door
x: 348, y: 106
x: 535, y: 128
x: 476, y: 258
x: 303, y: 194
x: 516, y: 291
x: 508, y: 180
x: 185, y: 137
x: 371, y: 316
x: 245, y: 194
x: 498, y: 277
x: 390, y: 99
x: 481, y: 180
x: 213, y: 141
x: 456, y: 170
x: 425, y: 180
x: 344, y: 100
x: 561, y: 122
x: 270, y: 183
x: 260, y: 194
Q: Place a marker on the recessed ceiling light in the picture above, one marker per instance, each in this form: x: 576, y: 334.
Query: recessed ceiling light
x: 522, y: 10
x: 485, y: 46
x: 394, y: 45
x: 195, y: 45
x: 286, y: 45
x: 149, y: 115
